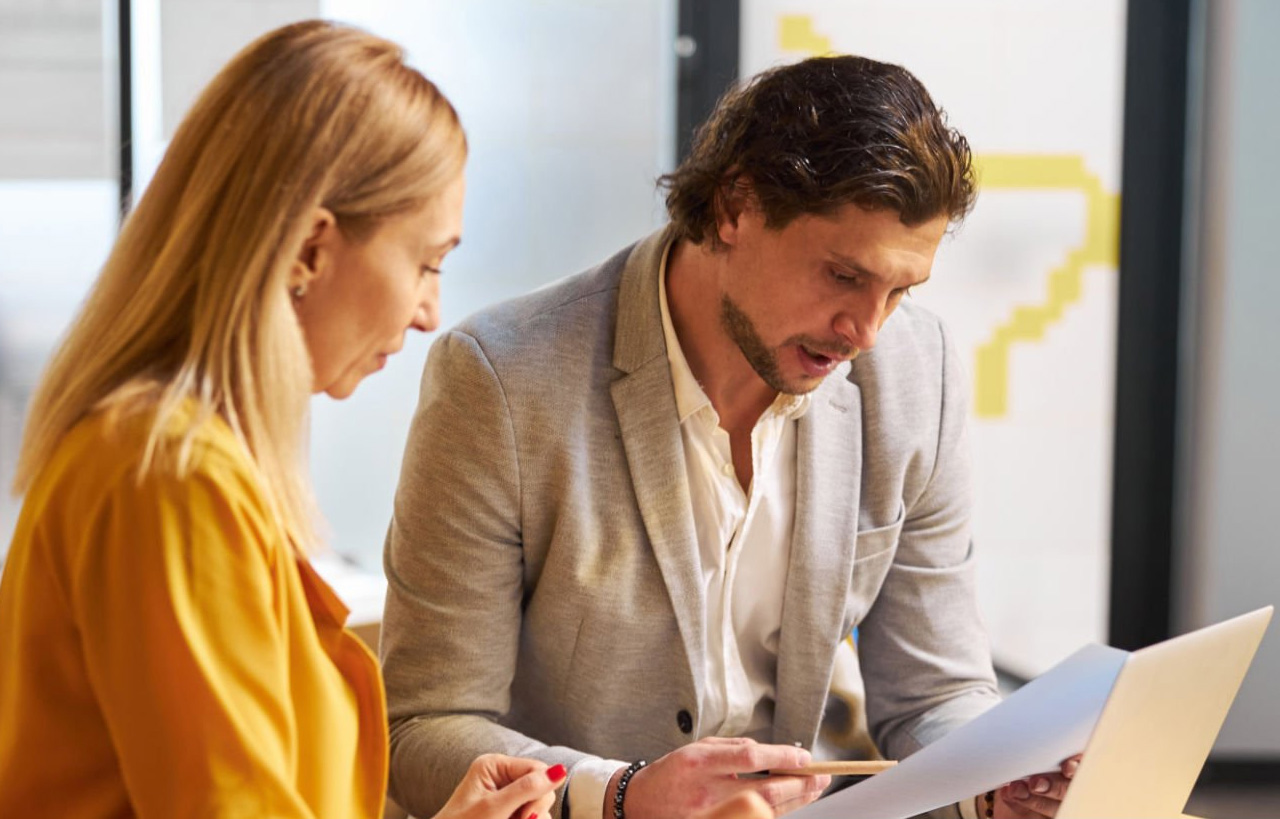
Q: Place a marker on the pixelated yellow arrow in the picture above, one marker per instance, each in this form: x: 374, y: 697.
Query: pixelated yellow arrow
x: 1065, y: 284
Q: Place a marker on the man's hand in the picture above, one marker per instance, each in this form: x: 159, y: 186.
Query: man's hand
x: 703, y: 774
x: 1036, y: 796
x: 504, y: 787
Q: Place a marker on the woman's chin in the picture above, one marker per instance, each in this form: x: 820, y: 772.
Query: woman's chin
x: 342, y: 389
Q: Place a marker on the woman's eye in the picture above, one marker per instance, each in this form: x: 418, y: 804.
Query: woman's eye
x: 426, y: 268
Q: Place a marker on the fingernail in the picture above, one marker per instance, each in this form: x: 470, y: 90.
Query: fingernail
x: 1041, y: 785
x: 532, y: 816
x: 1019, y: 790
x: 803, y: 757
x: 556, y: 773
x: 1070, y: 769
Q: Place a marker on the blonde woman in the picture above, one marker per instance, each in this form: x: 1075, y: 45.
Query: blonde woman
x: 165, y: 647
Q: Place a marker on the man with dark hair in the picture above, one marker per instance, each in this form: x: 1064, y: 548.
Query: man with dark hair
x: 641, y: 509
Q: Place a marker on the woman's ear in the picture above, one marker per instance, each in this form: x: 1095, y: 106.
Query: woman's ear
x: 317, y: 251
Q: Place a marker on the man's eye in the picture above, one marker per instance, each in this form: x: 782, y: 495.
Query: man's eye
x: 843, y: 278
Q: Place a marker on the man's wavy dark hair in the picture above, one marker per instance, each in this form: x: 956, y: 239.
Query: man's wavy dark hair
x: 813, y: 136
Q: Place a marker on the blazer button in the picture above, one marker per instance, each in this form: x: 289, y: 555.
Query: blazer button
x: 685, y: 720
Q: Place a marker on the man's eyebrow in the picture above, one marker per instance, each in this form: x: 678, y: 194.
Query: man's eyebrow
x: 845, y: 261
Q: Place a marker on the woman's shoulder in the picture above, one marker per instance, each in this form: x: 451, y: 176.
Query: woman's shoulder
x: 137, y: 452
x: 94, y: 505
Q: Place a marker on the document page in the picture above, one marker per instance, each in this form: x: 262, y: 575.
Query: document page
x: 1033, y: 730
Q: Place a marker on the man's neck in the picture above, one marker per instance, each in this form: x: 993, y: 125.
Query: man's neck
x: 735, y: 390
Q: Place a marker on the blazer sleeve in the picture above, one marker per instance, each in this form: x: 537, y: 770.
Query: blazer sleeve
x: 455, y: 570
x: 924, y: 651
x: 184, y: 648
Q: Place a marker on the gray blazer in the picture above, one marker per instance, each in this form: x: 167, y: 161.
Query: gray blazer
x: 542, y: 559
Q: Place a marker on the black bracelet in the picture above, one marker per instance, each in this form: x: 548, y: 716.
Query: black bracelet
x: 622, y: 786
x: 989, y: 804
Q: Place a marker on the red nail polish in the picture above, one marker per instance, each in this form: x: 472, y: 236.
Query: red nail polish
x: 532, y: 816
x: 555, y: 774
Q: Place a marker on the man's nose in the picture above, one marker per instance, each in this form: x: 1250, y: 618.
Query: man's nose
x: 859, y: 325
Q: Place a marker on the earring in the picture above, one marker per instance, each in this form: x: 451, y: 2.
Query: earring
x: 299, y: 291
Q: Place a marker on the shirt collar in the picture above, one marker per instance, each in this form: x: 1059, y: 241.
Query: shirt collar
x: 690, y: 397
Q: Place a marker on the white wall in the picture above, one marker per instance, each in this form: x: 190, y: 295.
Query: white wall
x: 569, y: 108
x: 1231, y: 455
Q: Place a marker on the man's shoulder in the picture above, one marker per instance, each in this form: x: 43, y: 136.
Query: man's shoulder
x: 914, y: 324
x: 913, y: 369
x: 556, y: 309
x: 913, y: 335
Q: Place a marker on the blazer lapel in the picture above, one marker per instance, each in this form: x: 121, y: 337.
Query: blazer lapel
x: 645, y: 402
x: 828, y: 483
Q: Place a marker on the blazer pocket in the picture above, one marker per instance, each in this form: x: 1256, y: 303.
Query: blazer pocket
x: 870, y: 543
x: 872, y: 557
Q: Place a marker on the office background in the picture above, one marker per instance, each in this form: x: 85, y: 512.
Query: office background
x: 1117, y: 267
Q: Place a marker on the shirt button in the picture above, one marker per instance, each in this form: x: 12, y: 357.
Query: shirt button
x: 685, y: 720
x: 727, y: 469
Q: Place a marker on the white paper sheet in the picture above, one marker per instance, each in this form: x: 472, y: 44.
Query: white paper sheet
x: 1032, y: 731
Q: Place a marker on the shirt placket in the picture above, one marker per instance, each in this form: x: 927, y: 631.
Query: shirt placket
x: 739, y: 698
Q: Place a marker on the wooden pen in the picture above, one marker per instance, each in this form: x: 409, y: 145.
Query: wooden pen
x: 857, y: 768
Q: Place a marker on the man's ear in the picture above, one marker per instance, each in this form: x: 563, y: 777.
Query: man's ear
x: 317, y: 249
x: 733, y: 198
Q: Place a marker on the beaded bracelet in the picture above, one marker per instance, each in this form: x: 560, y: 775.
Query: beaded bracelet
x: 623, y: 781
x: 989, y: 799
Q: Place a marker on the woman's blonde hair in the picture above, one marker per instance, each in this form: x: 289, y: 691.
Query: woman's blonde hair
x: 193, y: 305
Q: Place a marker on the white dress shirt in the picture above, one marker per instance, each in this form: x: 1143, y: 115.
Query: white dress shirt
x: 744, y: 547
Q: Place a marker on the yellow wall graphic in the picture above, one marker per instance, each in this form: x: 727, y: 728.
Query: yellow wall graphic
x: 1100, y: 247
x: 795, y: 33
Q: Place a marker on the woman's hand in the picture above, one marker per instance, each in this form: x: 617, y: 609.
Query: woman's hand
x: 504, y: 787
x: 746, y: 805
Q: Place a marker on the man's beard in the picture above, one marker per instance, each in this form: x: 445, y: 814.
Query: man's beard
x: 742, y: 331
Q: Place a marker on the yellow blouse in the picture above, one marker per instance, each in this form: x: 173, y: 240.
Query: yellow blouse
x: 163, y: 653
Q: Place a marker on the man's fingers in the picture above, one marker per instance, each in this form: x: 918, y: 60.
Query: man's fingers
x: 753, y: 757
x: 1038, y: 805
x: 812, y: 788
x: 781, y: 791
x: 727, y: 741
x: 1040, y: 795
x: 1051, y: 786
